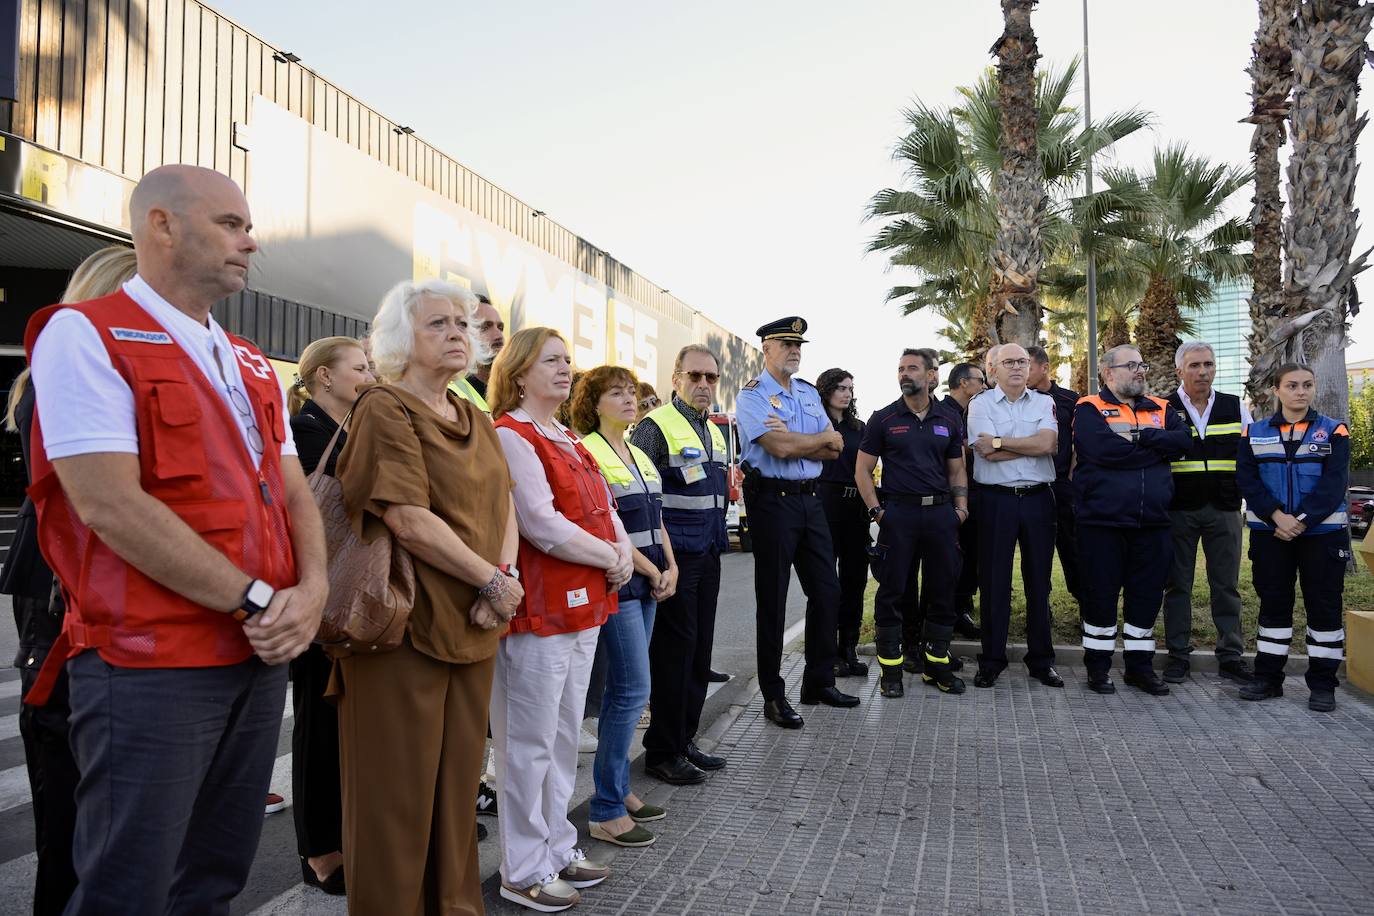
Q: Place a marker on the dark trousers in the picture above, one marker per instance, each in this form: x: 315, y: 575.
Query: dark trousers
x: 1133, y: 561
x: 847, y: 519
x: 175, y: 763
x: 912, y: 536
x: 52, y: 780
x: 680, y: 657
x: 1219, y: 531
x: 315, y: 792
x: 1066, y: 537
x: 790, y: 530
x: 1317, y: 561
x: 1010, y: 520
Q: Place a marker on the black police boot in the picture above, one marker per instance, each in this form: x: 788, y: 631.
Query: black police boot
x: 889, y: 642
x: 939, y: 671
x: 849, y: 661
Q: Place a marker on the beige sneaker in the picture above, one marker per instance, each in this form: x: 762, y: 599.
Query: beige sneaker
x: 583, y: 872
x: 644, y: 718
x: 552, y: 895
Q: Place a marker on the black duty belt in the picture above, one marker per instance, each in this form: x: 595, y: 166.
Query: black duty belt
x: 1015, y: 491
x: 836, y: 488
x: 914, y: 499
x: 786, y: 487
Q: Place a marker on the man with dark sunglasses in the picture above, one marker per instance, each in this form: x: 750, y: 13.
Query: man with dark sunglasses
x: 787, y: 434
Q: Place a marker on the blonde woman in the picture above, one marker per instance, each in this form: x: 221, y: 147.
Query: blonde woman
x: 333, y: 372
x: 52, y: 771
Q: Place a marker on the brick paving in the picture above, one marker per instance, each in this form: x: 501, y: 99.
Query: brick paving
x: 1019, y: 799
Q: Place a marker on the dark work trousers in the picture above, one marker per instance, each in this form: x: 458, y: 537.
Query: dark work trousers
x: 847, y: 518
x: 175, y: 763
x: 1317, y: 561
x: 680, y: 657
x: 315, y: 792
x: 912, y: 536
x: 1066, y: 537
x: 968, y: 582
x: 596, y: 686
x: 1008, y: 521
x: 791, y: 530
x: 1219, y: 530
x: 1113, y: 561
x: 918, y: 596
x: 52, y: 780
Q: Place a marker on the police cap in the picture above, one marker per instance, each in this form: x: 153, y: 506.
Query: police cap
x: 784, y: 329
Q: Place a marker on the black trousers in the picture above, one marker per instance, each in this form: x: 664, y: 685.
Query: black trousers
x: 1116, y: 561
x: 53, y: 777
x: 912, y: 536
x: 680, y: 656
x: 1318, y: 562
x: 847, y: 518
x: 791, y: 530
x: 1011, y: 520
x: 1066, y: 537
x: 316, y: 800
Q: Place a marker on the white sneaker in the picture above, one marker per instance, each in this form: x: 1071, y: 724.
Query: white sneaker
x: 586, y: 739
x: 583, y: 872
x: 551, y: 895
x: 644, y: 718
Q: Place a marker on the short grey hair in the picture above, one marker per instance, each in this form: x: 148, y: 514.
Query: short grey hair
x: 1181, y: 354
x: 393, y: 330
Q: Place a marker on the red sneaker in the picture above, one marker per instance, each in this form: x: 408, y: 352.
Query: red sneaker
x: 275, y: 803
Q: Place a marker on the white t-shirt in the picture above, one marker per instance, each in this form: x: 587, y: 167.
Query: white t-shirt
x: 84, y: 404
x: 1200, y: 420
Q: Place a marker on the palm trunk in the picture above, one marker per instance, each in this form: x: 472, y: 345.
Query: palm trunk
x: 1328, y: 55
x: 1271, y: 73
x: 1116, y: 332
x: 1018, y: 255
x: 984, y: 331
x: 1156, y: 334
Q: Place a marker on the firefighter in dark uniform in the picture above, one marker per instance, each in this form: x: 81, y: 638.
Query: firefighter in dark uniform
x: 787, y: 434
x: 1124, y: 441
x: 924, y: 501
x: 848, y: 519
x: 1293, y: 469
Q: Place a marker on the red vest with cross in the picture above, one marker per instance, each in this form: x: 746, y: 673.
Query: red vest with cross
x: 193, y: 458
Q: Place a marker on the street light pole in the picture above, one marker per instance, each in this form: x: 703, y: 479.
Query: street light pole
x: 1088, y: 232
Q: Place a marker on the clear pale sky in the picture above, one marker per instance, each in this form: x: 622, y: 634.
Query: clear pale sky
x: 727, y: 150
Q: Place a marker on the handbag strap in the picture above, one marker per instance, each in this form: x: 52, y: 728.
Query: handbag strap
x: 318, y: 473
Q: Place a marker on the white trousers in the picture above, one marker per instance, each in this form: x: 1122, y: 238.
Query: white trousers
x: 536, y: 709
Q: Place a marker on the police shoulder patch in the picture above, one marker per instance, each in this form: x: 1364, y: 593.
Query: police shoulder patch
x: 752, y: 383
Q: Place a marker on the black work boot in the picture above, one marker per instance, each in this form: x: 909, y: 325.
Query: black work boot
x: 939, y: 671
x: 889, y: 642
x: 849, y: 662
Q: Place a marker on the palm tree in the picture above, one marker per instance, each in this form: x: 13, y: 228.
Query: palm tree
x: 1018, y: 254
x: 943, y: 225
x: 1271, y: 74
x: 1328, y: 55
x: 1181, y: 244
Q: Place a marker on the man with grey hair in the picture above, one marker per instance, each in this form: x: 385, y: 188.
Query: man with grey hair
x: 990, y: 366
x: 1124, y: 441
x: 1206, y: 508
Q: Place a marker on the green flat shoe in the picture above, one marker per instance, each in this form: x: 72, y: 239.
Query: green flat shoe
x: 647, y: 813
x: 637, y: 836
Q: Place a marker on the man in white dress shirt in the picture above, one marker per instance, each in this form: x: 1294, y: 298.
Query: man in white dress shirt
x: 1014, y: 436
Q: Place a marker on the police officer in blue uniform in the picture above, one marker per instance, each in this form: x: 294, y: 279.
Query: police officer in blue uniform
x: 1293, y: 469
x: 787, y: 434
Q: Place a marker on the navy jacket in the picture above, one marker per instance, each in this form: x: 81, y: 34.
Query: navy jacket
x: 1122, y: 478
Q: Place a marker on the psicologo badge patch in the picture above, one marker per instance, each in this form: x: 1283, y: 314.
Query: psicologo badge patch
x: 137, y: 336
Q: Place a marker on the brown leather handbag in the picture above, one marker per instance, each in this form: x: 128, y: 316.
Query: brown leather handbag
x: 371, y: 585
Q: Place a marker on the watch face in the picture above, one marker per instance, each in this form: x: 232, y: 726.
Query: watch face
x: 260, y: 594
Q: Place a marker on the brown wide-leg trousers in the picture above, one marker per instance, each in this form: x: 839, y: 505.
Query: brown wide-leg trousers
x: 411, y: 732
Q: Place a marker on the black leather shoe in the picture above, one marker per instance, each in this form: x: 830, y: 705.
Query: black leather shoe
x: 1322, y: 701
x: 677, y: 772
x: 830, y: 696
x: 333, y: 885
x: 702, y: 760
x: 1100, y: 682
x: 985, y: 678
x: 1049, y: 677
x: 848, y: 664
x: 1236, y: 670
x: 781, y: 714
x: 1147, y: 681
x: 717, y: 677
x: 1176, y: 670
x: 1261, y: 690
x: 965, y: 627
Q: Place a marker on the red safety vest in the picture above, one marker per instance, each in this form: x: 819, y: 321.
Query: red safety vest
x: 564, y: 597
x: 193, y: 458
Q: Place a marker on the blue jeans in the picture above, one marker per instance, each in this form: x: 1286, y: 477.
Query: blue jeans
x: 626, y: 638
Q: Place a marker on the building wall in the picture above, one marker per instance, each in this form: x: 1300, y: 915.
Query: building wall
x: 1224, y: 322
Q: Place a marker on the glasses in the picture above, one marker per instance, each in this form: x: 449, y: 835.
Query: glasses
x: 1015, y: 363
x: 696, y: 377
x: 648, y: 403
x: 1132, y: 366
x: 241, y: 406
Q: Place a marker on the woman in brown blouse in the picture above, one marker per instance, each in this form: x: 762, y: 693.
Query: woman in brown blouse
x: 427, y: 465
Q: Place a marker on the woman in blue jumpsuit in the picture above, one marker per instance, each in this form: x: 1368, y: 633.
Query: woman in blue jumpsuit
x: 1293, y: 469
